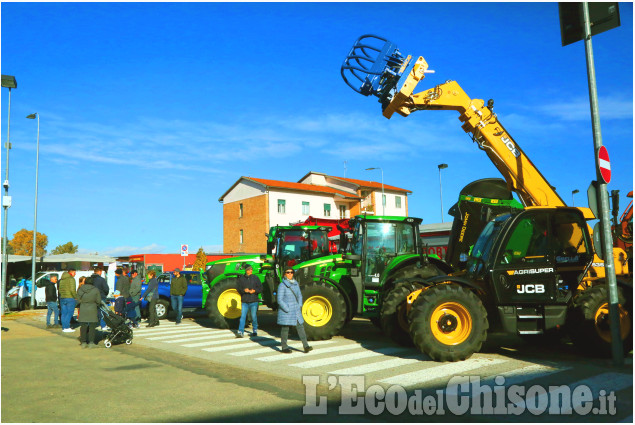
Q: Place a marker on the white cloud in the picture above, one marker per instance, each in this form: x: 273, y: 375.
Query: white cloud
x: 121, y: 251
x: 579, y: 109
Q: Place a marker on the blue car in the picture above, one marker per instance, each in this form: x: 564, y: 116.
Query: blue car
x: 192, y: 300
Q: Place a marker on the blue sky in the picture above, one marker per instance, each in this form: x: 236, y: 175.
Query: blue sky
x: 151, y: 111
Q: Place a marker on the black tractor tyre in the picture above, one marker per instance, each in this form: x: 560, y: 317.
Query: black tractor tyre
x: 323, y: 310
x: 226, y: 313
x: 162, y: 308
x: 448, y: 323
x: 393, y: 314
x: 588, y: 322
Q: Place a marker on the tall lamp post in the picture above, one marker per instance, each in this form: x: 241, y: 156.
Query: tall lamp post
x: 573, y: 192
x: 9, y: 82
x: 37, y: 163
x: 441, y: 167
x: 383, y: 203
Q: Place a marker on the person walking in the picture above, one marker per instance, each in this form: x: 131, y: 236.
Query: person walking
x: 68, y: 294
x: 290, y: 311
x: 89, y: 299
x: 50, y: 292
x: 151, y: 294
x: 249, y: 287
x: 178, y: 288
x: 135, y: 292
x: 101, y: 285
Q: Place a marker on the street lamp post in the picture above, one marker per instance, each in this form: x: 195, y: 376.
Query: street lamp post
x: 573, y: 192
x: 441, y: 167
x: 9, y: 82
x: 37, y: 163
x: 383, y: 203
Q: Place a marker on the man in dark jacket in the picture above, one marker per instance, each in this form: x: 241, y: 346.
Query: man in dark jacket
x: 249, y: 287
x: 101, y: 285
x: 50, y: 291
x: 178, y: 288
x: 135, y: 292
x: 123, y: 283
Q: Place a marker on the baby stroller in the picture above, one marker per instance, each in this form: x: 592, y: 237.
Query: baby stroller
x: 119, y: 329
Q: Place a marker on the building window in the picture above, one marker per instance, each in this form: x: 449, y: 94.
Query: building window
x: 241, y: 236
x: 327, y: 210
x: 281, y: 206
x: 305, y: 208
x: 240, y: 214
x: 383, y: 200
x: 397, y: 201
x: 342, y: 211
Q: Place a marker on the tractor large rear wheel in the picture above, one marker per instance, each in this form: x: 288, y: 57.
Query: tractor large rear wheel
x: 323, y: 310
x: 394, y: 314
x: 224, y: 305
x: 588, y: 322
x: 448, y: 323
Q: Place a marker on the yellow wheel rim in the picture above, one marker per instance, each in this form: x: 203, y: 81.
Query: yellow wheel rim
x: 602, y: 322
x: 317, y: 311
x: 229, y: 304
x: 451, y: 323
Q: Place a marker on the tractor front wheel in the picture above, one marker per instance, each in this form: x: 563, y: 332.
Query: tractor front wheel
x: 224, y: 304
x: 323, y: 310
x: 589, y: 323
x: 448, y: 323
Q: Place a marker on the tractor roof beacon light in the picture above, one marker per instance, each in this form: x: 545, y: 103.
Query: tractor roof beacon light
x: 376, y: 63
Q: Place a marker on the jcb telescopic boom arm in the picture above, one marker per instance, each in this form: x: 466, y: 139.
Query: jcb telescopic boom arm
x: 486, y: 130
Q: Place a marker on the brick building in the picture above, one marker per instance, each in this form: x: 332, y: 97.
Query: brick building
x: 252, y: 205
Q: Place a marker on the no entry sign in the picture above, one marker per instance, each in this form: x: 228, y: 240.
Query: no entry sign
x: 604, y: 164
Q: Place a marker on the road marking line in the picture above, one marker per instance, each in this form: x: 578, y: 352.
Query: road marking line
x: 437, y: 372
x: 268, y: 350
x: 230, y: 347
x: 165, y: 329
x: 349, y: 357
x: 231, y: 340
x: 375, y: 367
x: 190, y: 332
x: 610, y: 381
x: 226, y: 333
x: 315, y: 352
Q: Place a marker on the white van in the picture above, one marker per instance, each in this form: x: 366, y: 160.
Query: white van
x: 19, y: 297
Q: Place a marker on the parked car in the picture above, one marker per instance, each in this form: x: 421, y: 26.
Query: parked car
x: 19, y: 297
x: 192, y: 300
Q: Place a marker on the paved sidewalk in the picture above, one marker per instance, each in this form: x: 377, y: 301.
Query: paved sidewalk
x: 47, y: 377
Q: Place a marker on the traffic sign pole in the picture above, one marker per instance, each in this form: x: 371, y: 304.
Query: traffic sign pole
x: 609, y: 263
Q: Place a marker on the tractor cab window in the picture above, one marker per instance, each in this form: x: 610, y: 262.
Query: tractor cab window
x: 528, y: 242
x: 319, y: 243
x: 383, y: 242
x: 482, y: 249
x: 293, y: 247
x: 357, y: 244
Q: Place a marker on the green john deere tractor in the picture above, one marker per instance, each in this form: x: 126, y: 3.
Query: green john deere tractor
x: 372, y: 280
x: 286, y: 246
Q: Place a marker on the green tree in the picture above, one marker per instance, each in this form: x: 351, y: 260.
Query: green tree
x: 22, y: 243
x: 67, y: 248
x: 201, y: 260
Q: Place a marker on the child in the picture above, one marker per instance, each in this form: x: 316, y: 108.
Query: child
x: 120, y: 304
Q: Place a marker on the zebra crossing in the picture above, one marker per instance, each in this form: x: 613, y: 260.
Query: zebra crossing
x: 384, y: 365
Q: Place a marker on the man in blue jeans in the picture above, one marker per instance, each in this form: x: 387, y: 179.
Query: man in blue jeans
x: 178, y: 288
x: 249, y: 287
x: 50, y: 291
x: 68, y: 293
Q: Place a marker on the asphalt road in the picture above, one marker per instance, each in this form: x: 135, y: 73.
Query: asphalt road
x: 193, y: 373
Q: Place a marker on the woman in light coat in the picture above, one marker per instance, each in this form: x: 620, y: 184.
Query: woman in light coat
x: 290, y: 310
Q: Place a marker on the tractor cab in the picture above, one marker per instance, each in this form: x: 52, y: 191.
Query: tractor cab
x: 538, y: 255
x: 292, y: 245
x: 377, y: 240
